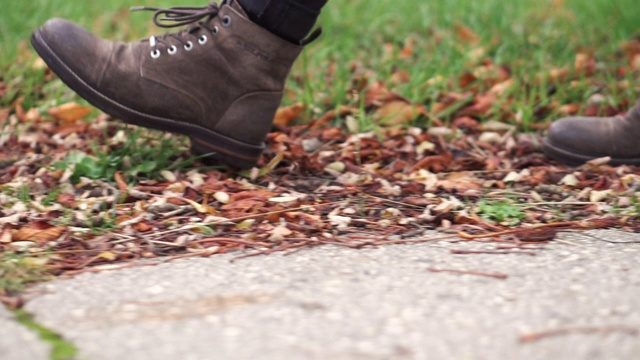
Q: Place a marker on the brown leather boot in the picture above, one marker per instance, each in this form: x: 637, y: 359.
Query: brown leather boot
x: 576, y: 140
x: 220, y: 81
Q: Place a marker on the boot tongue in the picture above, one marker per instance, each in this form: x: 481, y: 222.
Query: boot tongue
x: 235, y: 5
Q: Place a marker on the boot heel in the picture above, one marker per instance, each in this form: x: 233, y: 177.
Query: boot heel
x: 210, y: 155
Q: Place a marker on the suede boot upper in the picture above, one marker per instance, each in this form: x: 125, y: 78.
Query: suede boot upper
x: 576, y: 140
x: 220, y: 81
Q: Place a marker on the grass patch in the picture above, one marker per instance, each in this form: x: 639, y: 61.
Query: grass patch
x: 60, y: 348
x: 18, y: 271
x: 528, y: 37
x: 136, y: 154
x: 501, y: 211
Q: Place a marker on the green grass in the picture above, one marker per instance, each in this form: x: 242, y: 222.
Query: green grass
x: 17, y: 271
x: 502, y: 211
x: 137, y: 156
x: 529, y: 37
x: 60, y: 348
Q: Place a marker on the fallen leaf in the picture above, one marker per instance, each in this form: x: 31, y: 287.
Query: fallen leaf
x: 70, y: 111
x: 286, y: 115
x: 122, y: 185
x: 66, y: 200
x: 203, y: 209
x: 397, y: 112
x: 36, y: 234
x: 142, y: 227
x: 466, y: 35
x: 279, y: 233
x: 6, y: 237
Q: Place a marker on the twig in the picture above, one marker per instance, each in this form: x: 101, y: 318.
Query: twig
x: 389, y: 200
x: 536, y: 336
x: 467, y: 236
x: 471, y: 272
x: 475, y: 252
x: 230, y: 241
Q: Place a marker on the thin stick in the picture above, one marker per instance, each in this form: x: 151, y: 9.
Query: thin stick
x: 467, y: 236
x: 471, y: 272
x: 536, y: 336
x: 474, y: 252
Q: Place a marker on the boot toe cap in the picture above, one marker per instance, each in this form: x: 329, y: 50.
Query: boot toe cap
x: 69, y: 47
x: 575, y: 133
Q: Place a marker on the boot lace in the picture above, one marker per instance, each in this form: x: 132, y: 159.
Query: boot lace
x: 183, y: 16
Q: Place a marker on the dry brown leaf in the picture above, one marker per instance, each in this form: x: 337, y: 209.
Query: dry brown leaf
x: 69, y: 128
x: 4, y: 113
x: 6, y: 237
x: 70, y: 111
x: 585, y: 63
x: 377, y: 94
x: 466, y: 35
x: 3, y: 89
x: 142, y: 227
x: 397, y: 112
x: 407, y: 50
x: 400, y: 77
x: 33, y: 115
x: 36, y: 234
x: 122, y: 185
x: 286, y: 115
x: 501, y: 88
x: 569, y: 109
x: 465, y: 122
x: 66, y: 200
x: 331, y: 115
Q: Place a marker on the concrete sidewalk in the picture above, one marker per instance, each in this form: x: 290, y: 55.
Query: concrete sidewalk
x: 336, y: 303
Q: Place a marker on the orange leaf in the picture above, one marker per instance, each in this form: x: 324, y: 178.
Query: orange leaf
x: 29, y: 233
x: 122, y: 185
x: 70, y: 111
x: 142, y: 227
x: 466, y: 35
x: 287, y: 115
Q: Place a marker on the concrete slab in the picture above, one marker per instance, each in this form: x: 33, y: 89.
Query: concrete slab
x: 17, y: 342
x: 383, y: 303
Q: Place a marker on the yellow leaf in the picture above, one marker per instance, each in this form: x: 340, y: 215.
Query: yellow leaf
x: 244, y: 225
x: 107, y: 255
x: 203, y: 209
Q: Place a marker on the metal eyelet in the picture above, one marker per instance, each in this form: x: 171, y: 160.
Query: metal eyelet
x: 203, y: 39
x: 155, y: 53
x: 215, y: 30
x: 188, y: 46
x: 172, y: 50
x: 226, y: 21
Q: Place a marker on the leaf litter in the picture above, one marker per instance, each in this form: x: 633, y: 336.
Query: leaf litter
x: 413, y: 169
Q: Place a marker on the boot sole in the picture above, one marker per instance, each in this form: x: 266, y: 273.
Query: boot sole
x: 576, y: 159
x: 203, y: 141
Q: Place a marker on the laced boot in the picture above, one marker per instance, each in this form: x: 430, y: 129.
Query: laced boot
x: 576, y: 140
x: 219, y: 81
